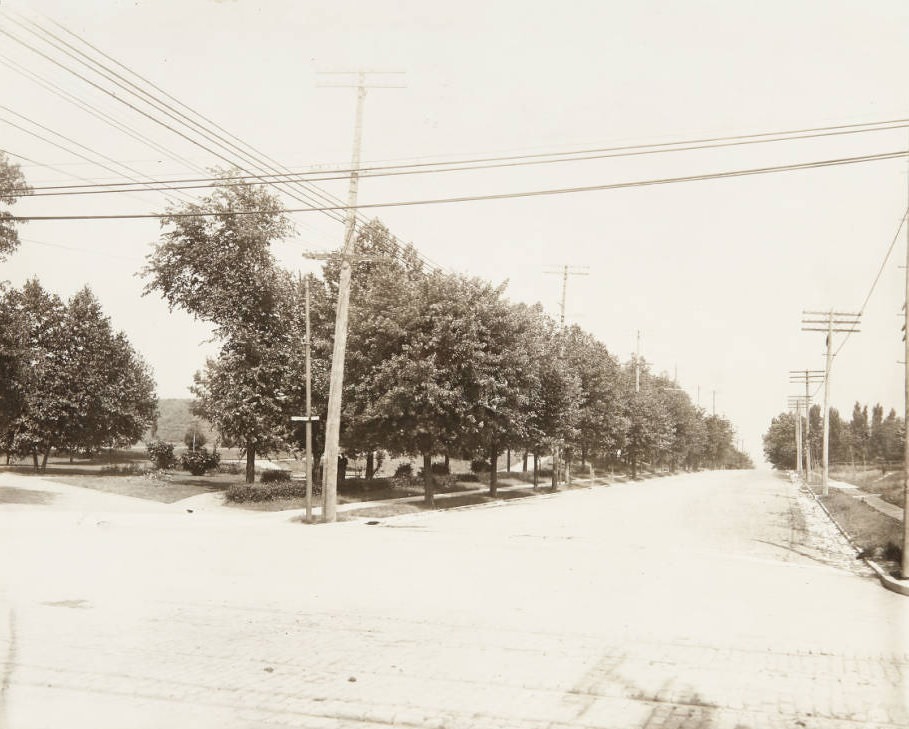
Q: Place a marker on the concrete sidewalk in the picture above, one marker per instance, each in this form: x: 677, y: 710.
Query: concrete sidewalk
x: 873, y: 500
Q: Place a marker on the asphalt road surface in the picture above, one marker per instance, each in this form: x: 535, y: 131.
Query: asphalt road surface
x: 707, y: 600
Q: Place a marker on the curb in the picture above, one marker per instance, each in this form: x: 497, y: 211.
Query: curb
x: 900, y: 587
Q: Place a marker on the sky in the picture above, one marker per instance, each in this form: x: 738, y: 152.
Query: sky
x: 714, y: 274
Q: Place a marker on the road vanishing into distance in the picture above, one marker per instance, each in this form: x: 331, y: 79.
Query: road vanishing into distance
x: 721, y: 599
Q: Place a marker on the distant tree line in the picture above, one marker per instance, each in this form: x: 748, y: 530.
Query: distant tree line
x: 68, y: 381
x: 861, y: 440
x: 437, y: 364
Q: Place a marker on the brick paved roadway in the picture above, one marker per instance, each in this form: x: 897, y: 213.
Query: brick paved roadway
x: 714, y: 600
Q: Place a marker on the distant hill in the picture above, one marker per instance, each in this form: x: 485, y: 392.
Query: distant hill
x: 175, y: 418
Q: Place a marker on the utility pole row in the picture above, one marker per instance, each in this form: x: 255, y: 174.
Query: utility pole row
x: 808, y: 377
x: 830, y: 322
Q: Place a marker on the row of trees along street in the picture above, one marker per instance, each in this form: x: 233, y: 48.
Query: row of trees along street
x: 860, y: 440
x: 437, y: 364
x: 68, y: 381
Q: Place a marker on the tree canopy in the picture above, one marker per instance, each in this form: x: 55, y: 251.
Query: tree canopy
x: 12, y: 187
x: 219, y: 268
x: 72, y: 382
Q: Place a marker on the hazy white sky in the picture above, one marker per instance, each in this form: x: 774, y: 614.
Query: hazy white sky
x: 715, y: 274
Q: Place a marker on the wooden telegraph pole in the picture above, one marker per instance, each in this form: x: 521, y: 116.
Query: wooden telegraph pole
x: 808, y: 377
x: 336, y: 379
x: 564, y: 272
x: 308, y: 418
x: 904, y: 564
x: 830, y: 322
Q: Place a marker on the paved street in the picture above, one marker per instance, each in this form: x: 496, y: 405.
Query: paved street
x: 711, y: 600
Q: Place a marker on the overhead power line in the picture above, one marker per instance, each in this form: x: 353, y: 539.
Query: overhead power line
x: 183, y: 117
x: 512, y: 195
x: 447, y: 166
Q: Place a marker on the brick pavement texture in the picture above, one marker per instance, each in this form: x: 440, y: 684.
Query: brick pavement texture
x: 715, y: 600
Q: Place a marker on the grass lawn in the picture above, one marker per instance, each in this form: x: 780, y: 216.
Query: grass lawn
x: 13, y: 495
x: 871, y: 480
x: 453, y: 502
x: 180, y: 486
x: 876, y: 534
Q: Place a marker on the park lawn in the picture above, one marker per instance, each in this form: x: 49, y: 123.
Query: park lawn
x: 877, y: 535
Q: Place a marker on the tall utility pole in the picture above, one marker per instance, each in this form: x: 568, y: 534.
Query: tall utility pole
x: 809, y: 377
x: 565, y: 272
x: 829, y: 322
x: 796, y: 402
x: 308, y: 413
x: 904, y: 566
x: 308, y: 418
x: 336, y: 380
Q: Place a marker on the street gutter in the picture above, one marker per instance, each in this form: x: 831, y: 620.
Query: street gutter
x: 899, y: 586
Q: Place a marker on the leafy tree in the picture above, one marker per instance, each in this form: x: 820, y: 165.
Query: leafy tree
x: 36, y: 425
x: 876, y: 433
x: 555, y: 405
x: 859, y: 433
x: 220, y: 269
x: 12, y: 187
x: 112, y: 398
x: 601, y: 422
x: 381, y: 284
x: 893, y: 434
x: 78, y: 384
x: 719, y: 448
x: 779, y: 442
x: 433, y: 390
x: 194, y: 437
x: 12, y: 362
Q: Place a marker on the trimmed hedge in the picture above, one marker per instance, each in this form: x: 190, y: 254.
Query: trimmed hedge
x: 241, y: 493
x: 277, y: 475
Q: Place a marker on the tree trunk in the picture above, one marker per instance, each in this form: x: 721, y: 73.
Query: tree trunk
x: 524, y: 470
x: 555, y: 467
x: 536, y: 467
x: 634, y: 466
x: 342, y: 469
x: 250, y: 460
x: 427, y: 480
x: 44, y: 459
x: 370, y: 465
x: 583, y: 456
x: 447, y: 464
x: 493, y: 468
x: 35, y: 459
x: 508, y: 461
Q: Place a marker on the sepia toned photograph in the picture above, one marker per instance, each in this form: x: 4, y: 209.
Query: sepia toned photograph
x: 454, y: 365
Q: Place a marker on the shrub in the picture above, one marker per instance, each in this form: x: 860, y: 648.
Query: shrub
x: 122, y: 469
x: 231, y: 468
x: 439, y: 469
x: 404, y: 470
x: 161, y: 454
x: 194, y: 438
x: 467, y: 477
x: 479, y: 465
x: 275, y: 475
x: 240, y: 493
x: 200, y: 461
x: 893, y: 552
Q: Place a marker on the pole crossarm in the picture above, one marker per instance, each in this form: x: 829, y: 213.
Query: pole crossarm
x: 828, y: 322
